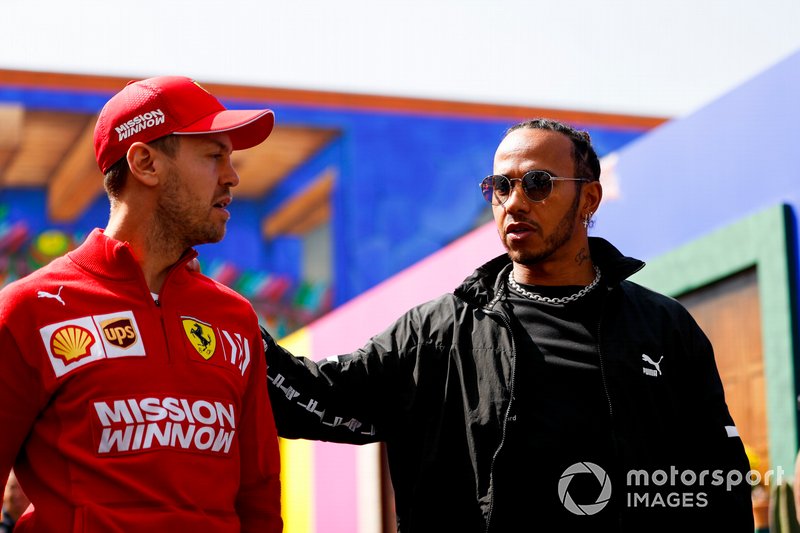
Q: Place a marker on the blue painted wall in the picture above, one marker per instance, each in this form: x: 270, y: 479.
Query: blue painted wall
x: 734, y: 157
x: 407, y: 185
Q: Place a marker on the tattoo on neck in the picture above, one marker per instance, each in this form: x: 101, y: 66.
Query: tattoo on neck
x: 581, y: 257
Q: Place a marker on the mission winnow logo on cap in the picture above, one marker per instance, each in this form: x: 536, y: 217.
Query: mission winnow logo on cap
x: 146, y: 110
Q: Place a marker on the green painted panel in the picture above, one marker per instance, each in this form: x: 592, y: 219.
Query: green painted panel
x: 759, y: 241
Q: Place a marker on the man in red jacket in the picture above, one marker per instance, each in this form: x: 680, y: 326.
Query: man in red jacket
x: 133, y: 397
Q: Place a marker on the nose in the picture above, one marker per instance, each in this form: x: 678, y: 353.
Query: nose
x: 517, y: 200
x: 229, y: 176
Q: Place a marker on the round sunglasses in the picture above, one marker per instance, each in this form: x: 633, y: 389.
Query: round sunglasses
x: 536, y: 184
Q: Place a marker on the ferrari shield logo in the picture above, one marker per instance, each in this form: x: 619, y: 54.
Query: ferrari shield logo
x: 201, y: 335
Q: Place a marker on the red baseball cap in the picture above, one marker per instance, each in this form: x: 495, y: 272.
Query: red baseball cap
x: 148, y: 109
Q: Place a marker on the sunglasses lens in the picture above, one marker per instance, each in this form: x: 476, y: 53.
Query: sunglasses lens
x: 487, y: 189
x: 495, y: 189
x: 502, y: 188
x: 537, y: 185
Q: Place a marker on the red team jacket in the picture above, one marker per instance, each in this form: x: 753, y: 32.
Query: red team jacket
x: 121, y: 413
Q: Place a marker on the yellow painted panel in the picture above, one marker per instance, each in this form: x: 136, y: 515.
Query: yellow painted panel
x: 297, y: 463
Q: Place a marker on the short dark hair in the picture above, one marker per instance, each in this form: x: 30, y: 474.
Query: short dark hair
x: 587, y: 165
x: 117, y: 173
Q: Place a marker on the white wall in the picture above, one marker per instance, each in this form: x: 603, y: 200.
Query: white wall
x: 622, y: 56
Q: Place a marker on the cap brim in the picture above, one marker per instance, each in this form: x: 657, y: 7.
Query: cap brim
x: 246, y: 128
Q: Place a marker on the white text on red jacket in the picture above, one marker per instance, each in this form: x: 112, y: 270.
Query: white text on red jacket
x: 137, y: 424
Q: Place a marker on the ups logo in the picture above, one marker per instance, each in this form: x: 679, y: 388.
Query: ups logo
x: 119, y: 332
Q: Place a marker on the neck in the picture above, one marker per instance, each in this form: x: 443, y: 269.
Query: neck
x: 154, y: 251
x: 574, y: 269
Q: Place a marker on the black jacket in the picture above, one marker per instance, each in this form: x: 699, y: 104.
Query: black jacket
x: 438, y: 387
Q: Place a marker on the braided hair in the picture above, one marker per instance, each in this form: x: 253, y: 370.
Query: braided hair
x: 587, y: 164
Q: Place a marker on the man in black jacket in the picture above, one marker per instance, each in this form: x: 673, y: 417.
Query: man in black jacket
x: 15, y: 501
x: 547, y: 393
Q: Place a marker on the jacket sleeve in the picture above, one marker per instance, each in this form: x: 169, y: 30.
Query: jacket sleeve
x: 258, y: 502
x: 348, y: 398
x: 22, y: 394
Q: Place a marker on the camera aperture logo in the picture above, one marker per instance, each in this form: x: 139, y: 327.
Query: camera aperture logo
x: 584, y: 508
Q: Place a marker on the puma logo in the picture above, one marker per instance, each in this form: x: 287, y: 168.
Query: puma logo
x: 56, y: 296
x: 656, y: 371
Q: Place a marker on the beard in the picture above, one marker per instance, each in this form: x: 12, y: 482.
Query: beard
x: 182, y: 218
x: 552, y: 242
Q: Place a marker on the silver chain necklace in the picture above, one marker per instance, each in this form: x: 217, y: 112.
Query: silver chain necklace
x: 566, y: 299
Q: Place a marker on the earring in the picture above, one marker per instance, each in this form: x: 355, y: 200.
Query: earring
x: 587, y: 219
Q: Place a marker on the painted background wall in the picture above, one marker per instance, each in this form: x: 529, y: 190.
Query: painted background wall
x: 405, y: 185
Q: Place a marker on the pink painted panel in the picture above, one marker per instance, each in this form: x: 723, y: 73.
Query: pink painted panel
x: 348, y: 327
x: 335, y: 492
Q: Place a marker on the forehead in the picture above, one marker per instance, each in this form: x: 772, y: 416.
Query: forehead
x: 526, y: 149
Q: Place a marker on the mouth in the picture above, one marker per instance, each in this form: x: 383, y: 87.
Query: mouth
x: 519, y: 230
x: 222, y: 205
x: 223, y: 202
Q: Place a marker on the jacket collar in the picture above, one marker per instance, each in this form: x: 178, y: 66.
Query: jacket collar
x: 488, y: 281
x: 112, y: 259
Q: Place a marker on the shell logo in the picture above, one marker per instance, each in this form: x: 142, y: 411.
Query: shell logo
x: 71, y: 343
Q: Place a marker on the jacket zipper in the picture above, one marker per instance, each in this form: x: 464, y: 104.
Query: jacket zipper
x: 160, y: 309
x: 600, y: 357
x: 507, y: 325
x: 605, y: 387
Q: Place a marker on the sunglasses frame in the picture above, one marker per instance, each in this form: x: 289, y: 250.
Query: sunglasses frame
x: 521, y: 182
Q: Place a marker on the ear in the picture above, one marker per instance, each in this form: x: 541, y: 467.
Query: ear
x: 145, y: 163
x: 592, y: 193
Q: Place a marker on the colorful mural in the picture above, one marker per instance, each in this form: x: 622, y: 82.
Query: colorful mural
x: 23, y: 251
x: 282, y: 303
x: 400, y: 182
